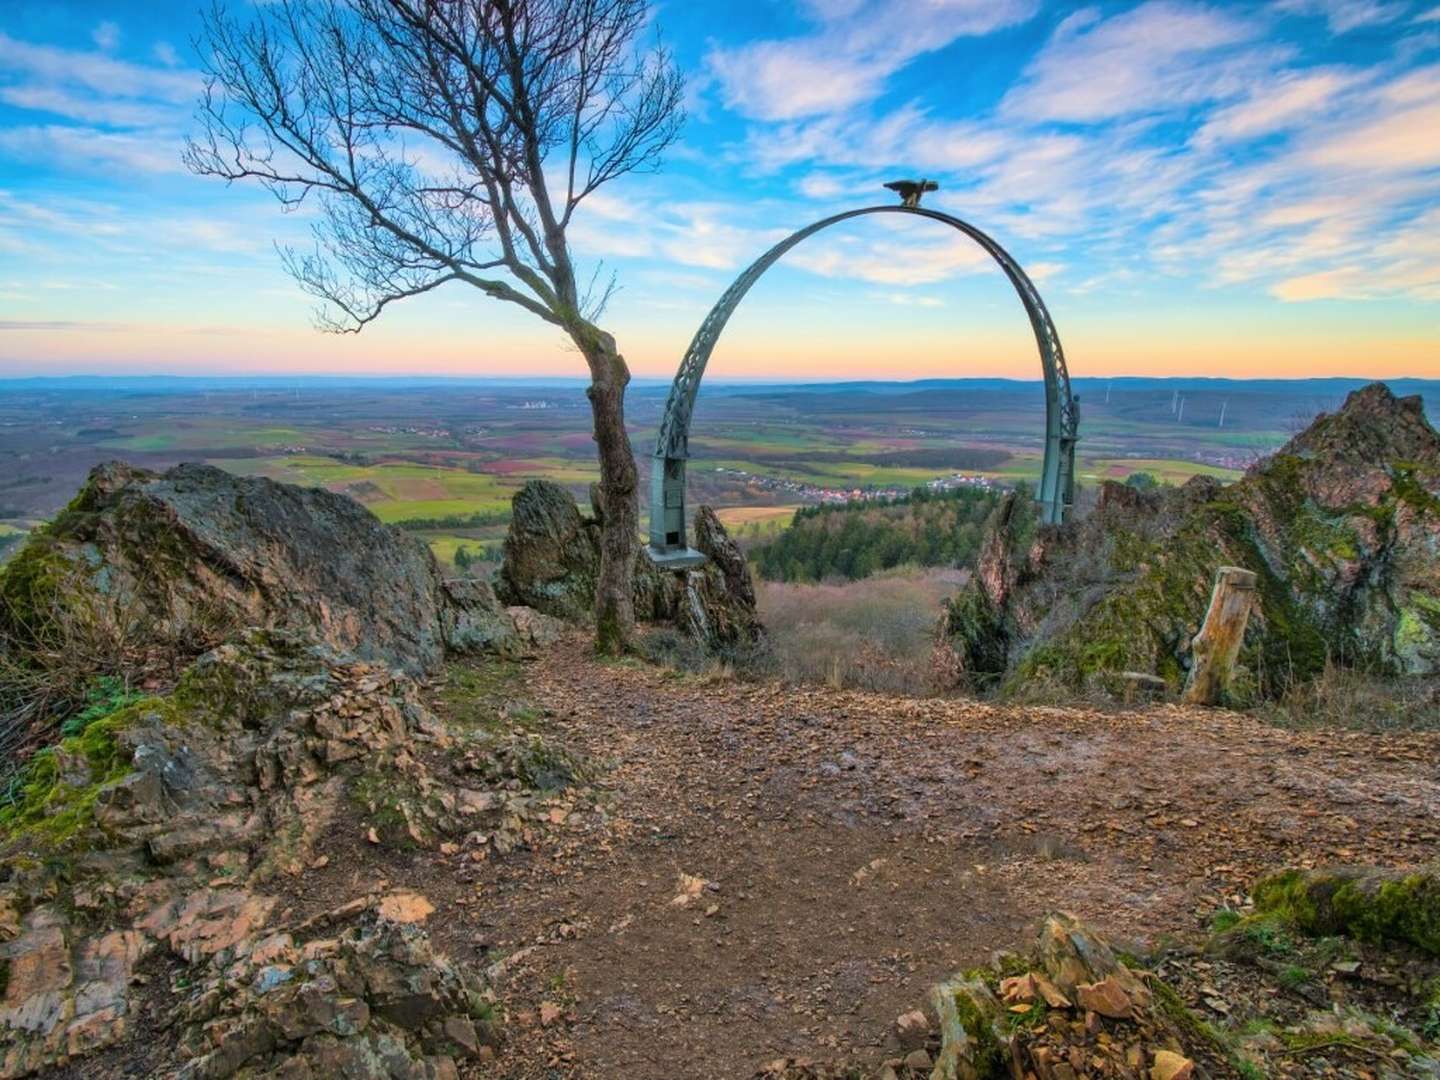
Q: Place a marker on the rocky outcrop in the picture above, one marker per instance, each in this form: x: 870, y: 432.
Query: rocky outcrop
x: 552, y: 558
x: 1342, y: 527
x: 168, y: 826
x: 376, y: 1001
x: 178, y: 561
x: 552, y: 553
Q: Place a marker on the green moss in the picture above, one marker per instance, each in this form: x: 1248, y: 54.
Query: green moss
x: 988, y: 1055
x: 105, y: 696
x: 486, y: 694
x: 1223, y: 920
x: 54, y: 798
x: 1407, y: 488
x: 33, y: 584
x: 1293, y: 976
x: 1430, y: 1012
x: 1367, y: 906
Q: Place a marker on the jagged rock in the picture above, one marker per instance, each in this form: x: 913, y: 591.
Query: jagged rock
x: 183, y: 559
x: 973, y: 1045
x: 912, y: 1029
x: 1341, y: 526
x: 552, y: 553
x: 534, y: 629
x: 177, y: 811
x: 376, y: 1002
x: 552, y: 557
x: 472, y: 620
x: 717, y: 604
x: 1169, y: 1065
x: 63, y: 996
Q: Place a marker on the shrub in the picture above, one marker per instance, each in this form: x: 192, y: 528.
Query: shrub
x: 875, y: 634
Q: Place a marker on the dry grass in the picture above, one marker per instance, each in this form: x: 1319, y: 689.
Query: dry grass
x: 873, y: 634
x: 1358, y: 700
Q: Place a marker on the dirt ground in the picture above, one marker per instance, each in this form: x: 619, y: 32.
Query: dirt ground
x: 767, y: 871
x: 759, y: 871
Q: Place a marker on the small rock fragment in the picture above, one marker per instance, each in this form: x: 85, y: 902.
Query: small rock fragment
x: 912, y: 1029
x: 1169, y: 1065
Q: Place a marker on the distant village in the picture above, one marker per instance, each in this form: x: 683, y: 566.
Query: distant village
x: 814, y: 493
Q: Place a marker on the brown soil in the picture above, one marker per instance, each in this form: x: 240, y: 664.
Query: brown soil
x: 858, y: 847
x: 844, y: 851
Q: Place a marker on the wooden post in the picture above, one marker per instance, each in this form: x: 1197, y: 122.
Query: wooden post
x: 1218, y: 643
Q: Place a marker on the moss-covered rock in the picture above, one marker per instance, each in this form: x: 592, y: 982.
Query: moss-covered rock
x: 1341, y: 527
x: 1368, y: 904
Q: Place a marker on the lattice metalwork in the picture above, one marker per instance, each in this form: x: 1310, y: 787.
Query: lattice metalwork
x: 668, y: 542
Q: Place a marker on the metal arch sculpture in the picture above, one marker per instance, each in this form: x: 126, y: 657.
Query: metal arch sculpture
x: 668, y: 544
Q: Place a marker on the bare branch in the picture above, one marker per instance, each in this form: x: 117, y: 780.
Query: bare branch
x: 423, y: 128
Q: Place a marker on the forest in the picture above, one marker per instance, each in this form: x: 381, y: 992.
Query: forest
x: 856, y: 539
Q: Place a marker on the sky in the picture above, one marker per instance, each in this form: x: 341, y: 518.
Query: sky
x: 1197, y: 189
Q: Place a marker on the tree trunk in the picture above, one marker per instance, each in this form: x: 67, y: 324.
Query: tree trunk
x: 1218, y: 643
x: 619, y: 513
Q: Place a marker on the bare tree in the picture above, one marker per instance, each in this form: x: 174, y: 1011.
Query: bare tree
x: 452, y: 141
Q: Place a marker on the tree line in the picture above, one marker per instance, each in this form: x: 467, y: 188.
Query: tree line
x: 854, y: 540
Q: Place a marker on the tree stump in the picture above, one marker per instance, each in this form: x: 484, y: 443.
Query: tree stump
x: 1218, y: 643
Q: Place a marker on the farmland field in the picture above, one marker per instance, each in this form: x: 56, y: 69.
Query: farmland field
x: 443, y: 459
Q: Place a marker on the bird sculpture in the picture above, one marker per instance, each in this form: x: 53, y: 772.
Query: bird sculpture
x: 910, y: 191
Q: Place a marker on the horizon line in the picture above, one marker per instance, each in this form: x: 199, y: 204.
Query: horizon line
x: 650, y: 380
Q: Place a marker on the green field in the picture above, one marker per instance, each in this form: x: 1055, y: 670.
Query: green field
x: 394, y: 491
x: 446, y: 460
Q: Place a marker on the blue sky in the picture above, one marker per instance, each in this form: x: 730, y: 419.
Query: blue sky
x: 1238, y: 189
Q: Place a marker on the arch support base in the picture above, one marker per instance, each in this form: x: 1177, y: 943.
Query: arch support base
x: 669, y: 547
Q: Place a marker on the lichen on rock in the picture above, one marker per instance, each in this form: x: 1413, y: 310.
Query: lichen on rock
x: 166, y: 825
x: 1341, y: 526
x: 174, y: 563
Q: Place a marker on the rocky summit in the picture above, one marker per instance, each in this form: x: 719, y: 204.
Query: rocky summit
x: 182, y: 559
x: 1341, y: 526
x: 310, y: 810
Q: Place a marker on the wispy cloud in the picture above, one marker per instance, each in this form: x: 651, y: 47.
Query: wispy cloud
x: 1153, y: 58
x: 96, y: 72
x: 106, y: 35
x: 1176, y: 137
x: 857, y: 46
x: 1346, y: 15
x: 89, y: 149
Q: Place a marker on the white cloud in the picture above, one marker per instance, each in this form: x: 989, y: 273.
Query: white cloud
x: 820, y: 186
x: 1345, y: 15
x: 106, y: 35
x: 84, y: 107
x: 861, y: 43
x: 89, y: 149
x: 165, y: 53
x: 96, y: 72
x: 909, y: 255
x: 1290, y: 101
x: 1173, y: 136
x: 127, y: 116
x: 1158, y: 56
x: 908, y: 299
x: 783, y: 80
